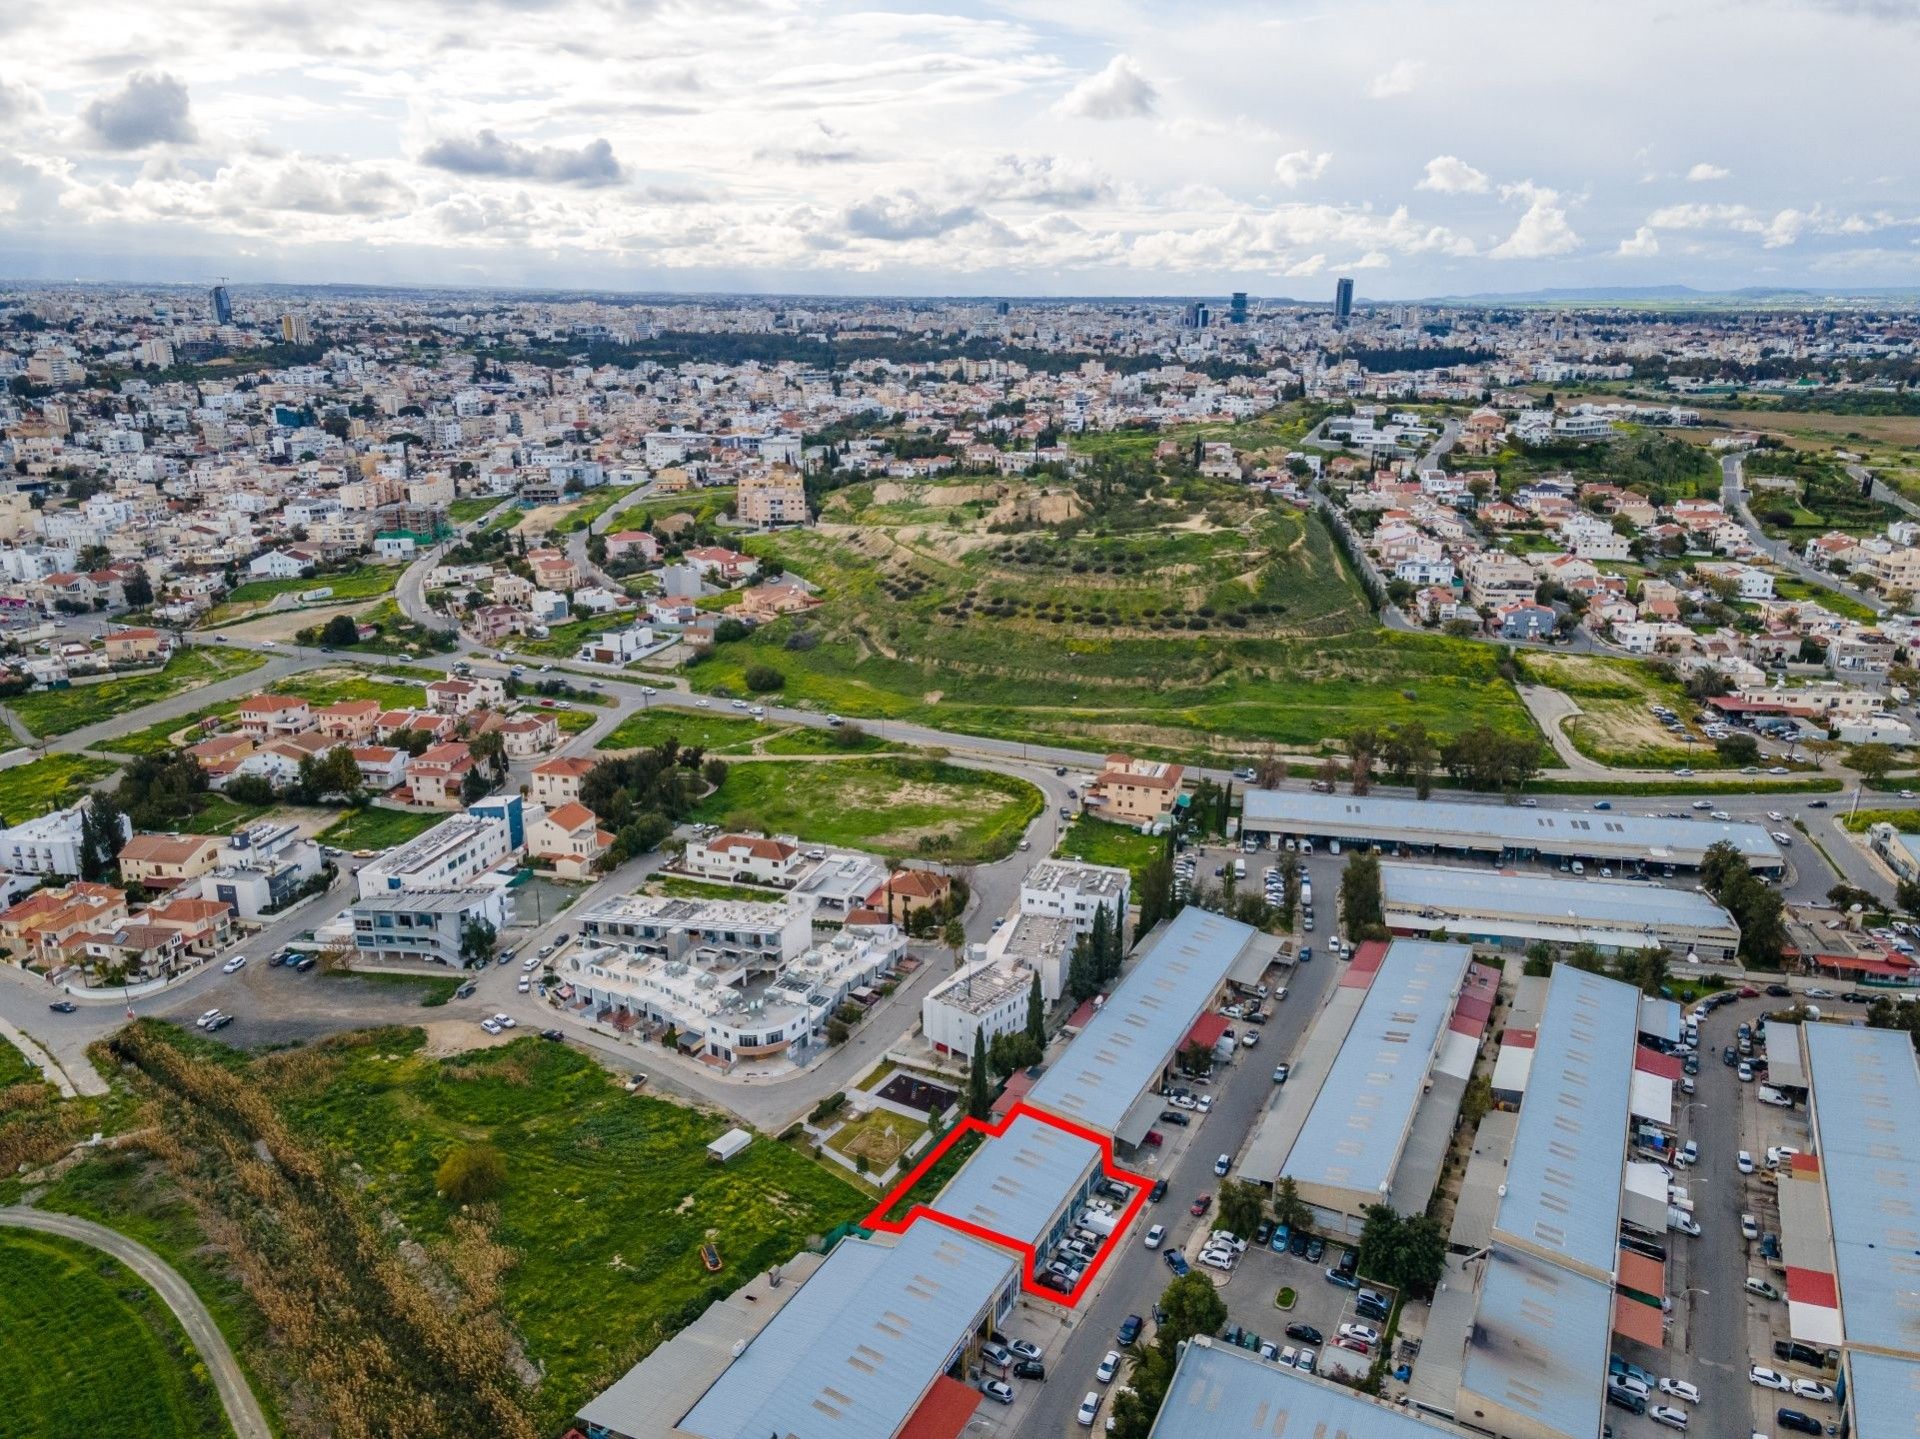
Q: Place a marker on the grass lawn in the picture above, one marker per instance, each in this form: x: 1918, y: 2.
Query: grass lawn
x: 938, y: 1176
x: 608, y: 1195
x: 394, y: 688
x: 87, y: 1348
x: 880, y: 1137
x: 434, y: 989
x: 56, y: 780
x: 362, y: 583
x: 887, y: 806
x: 1788, y: 587
x: 1615, y: 725
x: 720, y: 733
x: 680, y: 886
x: 585, y: 514
x: 158, y: 738
x: 1099, y: 842
x: 804, y: 739
x: 374, y: 828
x: 58, y: 712
x: 219, y: 815
x: 1907, y: 821
x: 460, y: 511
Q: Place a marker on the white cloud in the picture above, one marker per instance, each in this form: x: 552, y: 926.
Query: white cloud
x: 1119, y: 92
x: 488, y: 156
x: 905, y: 216
x: 1301, y: 269
x: 1542, y: 231
x: 1708, y: 171
x: 147, y: 110
x: 1642, y: 243
x: 1043, y: 180
x: 1396, y: 79
x: 1298, y: 166
x: 1450, y: 175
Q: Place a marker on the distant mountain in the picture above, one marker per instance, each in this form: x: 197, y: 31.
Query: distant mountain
x: 1750, y: 295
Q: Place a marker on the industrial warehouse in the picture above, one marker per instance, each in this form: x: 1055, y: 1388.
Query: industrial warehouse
x: 1507, y: 910
x: 1504, y: 833
x: 1392, y: 1051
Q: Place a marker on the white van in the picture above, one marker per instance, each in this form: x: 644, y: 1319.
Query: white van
x: 1239, y: 869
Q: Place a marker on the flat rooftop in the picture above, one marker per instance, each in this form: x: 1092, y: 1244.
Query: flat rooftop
x: 1455, y: 891
x: 1569, y: 1149
x: 1016, y: 1185
x: 1539, y: 1344
x: 1223, y: 1393
x: 1457, y: 824
x: 1130, y: 1038
x: 1102, y: 881
x: 1354, y: 1134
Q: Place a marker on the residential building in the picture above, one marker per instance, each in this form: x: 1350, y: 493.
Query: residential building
x: 424, y: 926
x: 753, y: 858
x: 274, y: 716
x: 1070, y: 890
x: 49, y: 844
x: 164, y: 861
x: 32, y: 929
x: 436, y: 775
x: 556, y: 781
x: 775, y: 496
x: 205, y: 926
x: 984, y: 996
x: 567, y: 840
x: 1134, y: 791
x: 454, y: 854
x: 261, y: 869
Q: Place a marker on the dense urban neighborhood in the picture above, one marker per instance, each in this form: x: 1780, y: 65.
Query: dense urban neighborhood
x: 633, y: 867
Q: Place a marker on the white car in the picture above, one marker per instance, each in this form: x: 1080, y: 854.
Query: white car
x: 234, y: 965
x: 1744, y: 1163
x: 1812, y: 1389
x: 525, y: 985
x: 1109, y: 1367
x: 489, y: 1026
x: 208, y: 1018
x: 1025, y: 1349
x: 1100, y: 1206
x: 505, y: 1021
x: 1221, y: 1259
x: 1769, y: 1378
x: 1089, y: 1409
x: 1779, y: 1154
x: 1155, y: 1235
x: 1204, y: 1104
x: 1669, y: 1415
x: 1228, y: 1239
x: 1749, y: 1227
x: 705, y: 704
x: 1680, y: 1389
x: 997, y: 1390
x: 1365, y: 1333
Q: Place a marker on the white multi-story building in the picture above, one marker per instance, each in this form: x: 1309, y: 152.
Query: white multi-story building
x: 1067, y: 889
x: 985, y: 996
x: 756, y: 857
x: 49, y: 844
x: 454, y: 854
x: 425, y: 925
x: 260, y: 869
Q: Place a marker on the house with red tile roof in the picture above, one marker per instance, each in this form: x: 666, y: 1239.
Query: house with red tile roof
x: 568, y: 840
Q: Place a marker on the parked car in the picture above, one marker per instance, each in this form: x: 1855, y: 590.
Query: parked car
x: 1768, y: 1378
x: 998, y: 1390
x: 1130, y: 1328
x: 1201, y: 1205
x: 1089, y: 1410
x: 1669, y: 1415
x: 1799, y: 1422
x: 1681, y: 1389
x: 1155, y: 1235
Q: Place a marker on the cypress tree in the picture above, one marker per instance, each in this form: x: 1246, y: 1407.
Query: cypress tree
x: 979, y: 1099
x: 1036, y: 1013
x: 1098, y: 945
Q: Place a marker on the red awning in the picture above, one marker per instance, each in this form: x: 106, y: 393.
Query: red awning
x: 1638, y: 1322
x: 1206, y: 1031
x: 1662, y: 1066
x: 1637, y: 1271
x: 1810, y: 1286
x: 944, y: 1413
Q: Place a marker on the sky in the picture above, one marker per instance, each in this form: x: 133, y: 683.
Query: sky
x: 1035, y: 147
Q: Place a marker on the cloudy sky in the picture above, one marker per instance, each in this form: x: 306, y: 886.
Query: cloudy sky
x: 1037, y: 146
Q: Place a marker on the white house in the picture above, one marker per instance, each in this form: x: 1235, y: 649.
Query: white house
x: 278, y: 565
x: 754, y: 857
x: 49, y: 844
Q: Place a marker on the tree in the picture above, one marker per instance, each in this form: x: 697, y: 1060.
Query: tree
x: 1082, y: 982
x: 340, y: 630
x: 979, y: 1095
x: 1476, y: 1100
x: 1010, y: 1051
x: 1100, y: 946
x: 490, y: 748
x: 1539, y: 961
x: 1036, y: 1013
x: 953, y: 934
x: 762, y: 679
x: 475, y: 786
x: 1137, y: 1406
x: 1738, y: 748
x: 1647, y: 970
x: 101, y: 836
x: 472, y: 1173
x: 1271, y: 769
x: 1288, y: 1207
x: 1872, y: 761
x: 1189, y: 1306
x: 477, y: 940
x: 1239, y: 1208
x: 138, y: 590
x: 1379, y: 1233
x: 1195, y: 1058
x: 1360, y: 897
x: 1420, y: 1255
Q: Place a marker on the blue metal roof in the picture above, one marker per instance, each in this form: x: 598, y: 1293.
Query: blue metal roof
x: 854, y: 1351
x: 1883, y: 1394
x: 1016, y: 1185
x: 1866, y: 1098
x: 1459, y: 824
x: 1538, y: 1345
x: 1130, y: 1040
x: 1618, y: 903
x: 1358, y: 1124
x: 1569, y: 1150
x: 1222, y: 1393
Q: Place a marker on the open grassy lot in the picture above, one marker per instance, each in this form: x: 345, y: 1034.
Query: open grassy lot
x: 461, y: 511
x: 804, y: 739
x: 880, y: 1137
x: 721, y: 733
x: 373, y: 828
x: 587, y: 512
x: 1788, y: 587
x: 682, y: 886
x: 608, y: 1195
x: 701, y: 504
x: 362, y: 583
x: 888, y: 806
x: 396, y: 686
x: 1907, y: 821
x: 432, y: 990
x: 87, y: 1348
x: 1281, y: 428
x: 1615, y: 725
x: 1098, y: 842
x: 48, y: 783
x: 216, y: 814
x: 1203, y: 622
x: 58, y: 712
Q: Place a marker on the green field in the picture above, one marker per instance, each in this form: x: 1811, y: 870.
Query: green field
x: 1616, y: 725
x: 720, y: 733
x: 87, y: 1348
x: 396, y: 686
x: 52, y: 782
x: 805, y: 739
x: 887, y: 806
x: 461, y: 511
x: 57, y: 712
x: 434, y: 990
x: 680, y: 886
x: 608, y: 1195
x: 1907, y: 821
x: 373, y: 828
x: 362, y: 583
x: 585, y: 514
x: 701, y: 504
x: 216, y: 814
x: 1787, y: 587
x: 1098, y: 842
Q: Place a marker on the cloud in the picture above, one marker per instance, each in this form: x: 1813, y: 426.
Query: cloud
x: 1450, y: 175
x: 1397, y: 79
x: 1296, y: 166
x: 1042, y: 179
x: 821, y: 145
x: 903, y: 215
x: 1707, y: 171
x: 150, y: 109
x: 1543, y: 229
x: 1118, y: 92
x: 487, y: 155
x: 1642, y: 243
x: 17, y: 102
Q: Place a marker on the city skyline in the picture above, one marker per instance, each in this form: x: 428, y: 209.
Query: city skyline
x: 1013, y: 149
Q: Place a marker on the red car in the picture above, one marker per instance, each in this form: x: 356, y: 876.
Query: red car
x: 1747, y: 991
x: 1155, y: 1138
x: 1201, y: 1205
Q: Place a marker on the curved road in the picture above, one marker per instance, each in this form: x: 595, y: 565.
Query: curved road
x: 243, y: 1410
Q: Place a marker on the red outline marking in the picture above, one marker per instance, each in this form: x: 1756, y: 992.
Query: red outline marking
x: 1139, y: 1183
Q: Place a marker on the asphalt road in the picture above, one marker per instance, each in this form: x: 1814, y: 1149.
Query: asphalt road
x: 243, y: 1410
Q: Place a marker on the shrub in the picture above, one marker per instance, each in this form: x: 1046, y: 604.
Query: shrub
x: 763, y: 678
x: 471, y: 1173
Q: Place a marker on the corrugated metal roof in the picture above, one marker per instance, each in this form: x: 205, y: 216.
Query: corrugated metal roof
x: 1016, y: 1185
x: 1563, y: 1184
x: 1457, y: 889
x: 1126, y: 1044
x: 1870, y: 1154
x: 1354, y: 1134
x: 854, y: 1351
x: 1884, y: 1395
x: 1456, y: 824
x: 1539, y: 1344
x: 1222, y: 1393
